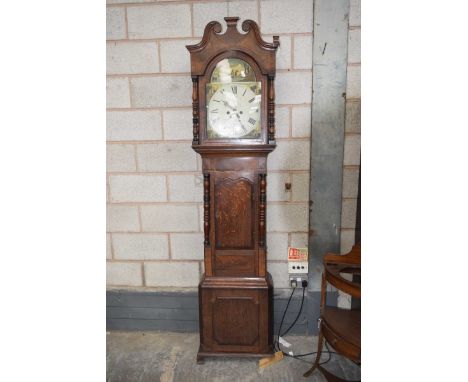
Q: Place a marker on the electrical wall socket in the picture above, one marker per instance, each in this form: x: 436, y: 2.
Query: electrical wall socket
x: 298, y: 267
x: 298, y: 260
x: 296, y: 281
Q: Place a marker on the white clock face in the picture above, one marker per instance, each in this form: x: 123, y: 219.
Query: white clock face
x: 234, y: 111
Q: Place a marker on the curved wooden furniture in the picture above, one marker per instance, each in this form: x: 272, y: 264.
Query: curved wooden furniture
x: 341, y: 328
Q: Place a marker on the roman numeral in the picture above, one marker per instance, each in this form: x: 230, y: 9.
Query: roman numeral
x: 251, y: 100
x: 252, y: 121
x: 244, y: 92
x: 243, y: 128
x: 234, y: 89
x: 215, y: 100
x: 253, y: 88
x: 214, y: 110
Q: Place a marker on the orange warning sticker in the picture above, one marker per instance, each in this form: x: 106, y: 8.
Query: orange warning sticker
x: 298, y: 254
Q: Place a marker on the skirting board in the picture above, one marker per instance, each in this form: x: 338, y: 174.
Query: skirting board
x: 178, y: 311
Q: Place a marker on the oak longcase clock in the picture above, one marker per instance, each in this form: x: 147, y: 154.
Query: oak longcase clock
x: 234, y: 131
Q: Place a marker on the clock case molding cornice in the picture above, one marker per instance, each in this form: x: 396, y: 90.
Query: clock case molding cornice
x: 215, y: 44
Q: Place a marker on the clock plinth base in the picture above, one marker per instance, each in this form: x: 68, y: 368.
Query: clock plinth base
x: 201, y: 355
x: 236, y: 317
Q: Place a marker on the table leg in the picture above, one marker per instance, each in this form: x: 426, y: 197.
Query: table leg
x: 319, y: 354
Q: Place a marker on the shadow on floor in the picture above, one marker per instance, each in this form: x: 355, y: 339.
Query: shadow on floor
x: 170, y: 357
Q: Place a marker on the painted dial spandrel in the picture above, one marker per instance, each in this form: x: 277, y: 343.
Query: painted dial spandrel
x: 232, y: 70
x: 233, y: 101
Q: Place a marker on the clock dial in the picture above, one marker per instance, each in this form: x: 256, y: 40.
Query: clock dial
x: 234, y: 110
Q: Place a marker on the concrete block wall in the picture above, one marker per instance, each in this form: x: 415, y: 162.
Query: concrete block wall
x: 154, y: 183
x: 352, y: 143
x: 154, y: 177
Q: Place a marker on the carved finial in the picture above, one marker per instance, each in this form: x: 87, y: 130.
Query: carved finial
x: 276, y: 40
x: 231, y: 21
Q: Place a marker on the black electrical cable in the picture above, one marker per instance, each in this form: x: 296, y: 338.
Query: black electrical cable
x: 323, y: 352
x: 277, y: 343
x: 298, y: 356
x: 298, y: 315
x: 277, y: 346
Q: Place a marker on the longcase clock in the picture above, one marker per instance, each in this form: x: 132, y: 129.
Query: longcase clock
x: 234, y: 131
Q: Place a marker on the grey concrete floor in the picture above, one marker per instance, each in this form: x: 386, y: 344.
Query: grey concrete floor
x: 168, y: 357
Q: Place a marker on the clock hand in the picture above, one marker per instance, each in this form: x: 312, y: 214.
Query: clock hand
x: 240, y: 122
x: 227, y: 104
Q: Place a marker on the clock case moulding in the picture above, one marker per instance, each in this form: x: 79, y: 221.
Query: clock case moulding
x: 236, y: 291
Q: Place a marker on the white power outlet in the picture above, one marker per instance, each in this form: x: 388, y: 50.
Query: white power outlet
x: 298, y: 267
x: 298, y: 260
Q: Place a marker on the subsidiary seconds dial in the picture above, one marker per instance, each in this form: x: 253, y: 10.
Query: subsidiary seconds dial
x: 234, y: 111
